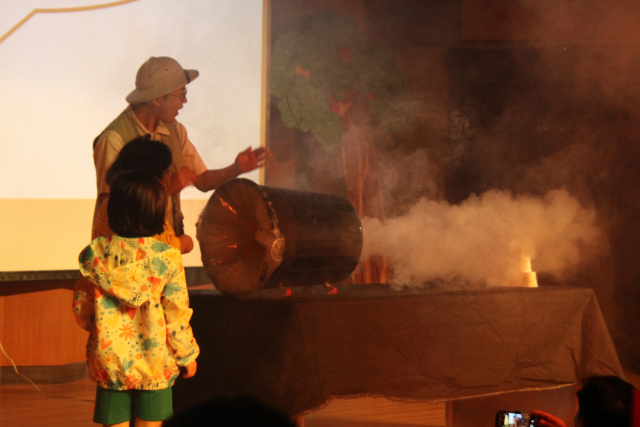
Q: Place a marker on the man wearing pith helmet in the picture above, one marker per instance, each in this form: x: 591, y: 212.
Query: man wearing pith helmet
x: 160, y: 93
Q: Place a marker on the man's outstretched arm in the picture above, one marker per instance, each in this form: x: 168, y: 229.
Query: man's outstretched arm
x: 247, y: 161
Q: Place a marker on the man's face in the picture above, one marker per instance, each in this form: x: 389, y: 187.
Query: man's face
x: 170, y: 104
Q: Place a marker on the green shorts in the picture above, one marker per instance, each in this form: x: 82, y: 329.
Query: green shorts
x: 114, y: 406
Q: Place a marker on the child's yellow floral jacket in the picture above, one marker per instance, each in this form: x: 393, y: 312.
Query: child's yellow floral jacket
x: 131, y: 296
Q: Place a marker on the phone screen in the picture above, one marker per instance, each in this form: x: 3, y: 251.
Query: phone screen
x: 516, y: 419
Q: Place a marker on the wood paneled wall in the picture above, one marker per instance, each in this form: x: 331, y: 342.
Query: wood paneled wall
x: 38, y: 329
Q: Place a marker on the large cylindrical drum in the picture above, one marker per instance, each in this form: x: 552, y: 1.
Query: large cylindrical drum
x: 253, y: 237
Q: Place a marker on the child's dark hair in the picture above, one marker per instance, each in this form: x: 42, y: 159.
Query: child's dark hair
x: 137, y: 204
x: 141, y: 154
x: 605, y: 401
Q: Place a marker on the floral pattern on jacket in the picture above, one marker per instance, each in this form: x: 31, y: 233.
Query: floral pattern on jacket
x: 131, y: 296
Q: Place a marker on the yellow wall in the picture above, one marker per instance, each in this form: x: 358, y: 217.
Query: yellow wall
x: 28, y: 220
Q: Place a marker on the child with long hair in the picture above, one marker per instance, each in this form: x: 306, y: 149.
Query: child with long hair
x: 153, y: 157
x: 131, y: 296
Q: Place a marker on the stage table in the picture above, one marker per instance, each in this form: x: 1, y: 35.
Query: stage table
x: 299, y: 352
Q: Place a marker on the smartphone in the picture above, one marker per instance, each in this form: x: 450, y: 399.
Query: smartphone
x: 516, y: 419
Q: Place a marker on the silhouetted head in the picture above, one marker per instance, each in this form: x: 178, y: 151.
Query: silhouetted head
x: 605, y: 401
x: 231, y: 411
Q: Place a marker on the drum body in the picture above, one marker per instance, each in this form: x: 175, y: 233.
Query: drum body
x: 253, y: 237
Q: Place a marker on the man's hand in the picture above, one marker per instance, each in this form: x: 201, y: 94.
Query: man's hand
x: 180, y: 179
x: 190, y: 370
x: 246, y: 161
x: 548, y: 420
x: 249, y: 160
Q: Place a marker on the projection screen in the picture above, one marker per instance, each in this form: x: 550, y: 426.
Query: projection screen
x: 66, y: 69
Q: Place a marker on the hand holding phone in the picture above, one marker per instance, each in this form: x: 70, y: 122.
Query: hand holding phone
x: 548, y: 420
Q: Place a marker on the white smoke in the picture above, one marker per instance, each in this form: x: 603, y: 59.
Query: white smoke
x: 482, y: 240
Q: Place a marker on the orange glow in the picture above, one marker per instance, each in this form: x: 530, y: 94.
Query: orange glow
x: 228, y: 206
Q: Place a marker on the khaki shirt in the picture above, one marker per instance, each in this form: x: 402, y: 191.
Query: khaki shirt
x: 110, y: 143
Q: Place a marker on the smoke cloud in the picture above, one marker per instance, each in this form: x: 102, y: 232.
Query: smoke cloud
x: 483, y: 239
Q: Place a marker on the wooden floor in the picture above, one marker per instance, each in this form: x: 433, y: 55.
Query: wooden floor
x: 377, y: 412
x: 23, y: 406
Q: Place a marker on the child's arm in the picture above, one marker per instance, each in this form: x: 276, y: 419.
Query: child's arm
x: 183, y: 243
x: 177, y: 315
x: 168, y: 236
x: 83, y: 303
x: 190, y: 369
x: 186, y: 244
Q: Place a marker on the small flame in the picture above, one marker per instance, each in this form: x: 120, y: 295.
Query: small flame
x: 529, y: 278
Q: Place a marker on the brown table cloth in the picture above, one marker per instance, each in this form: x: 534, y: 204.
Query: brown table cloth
x: 297, y: 353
